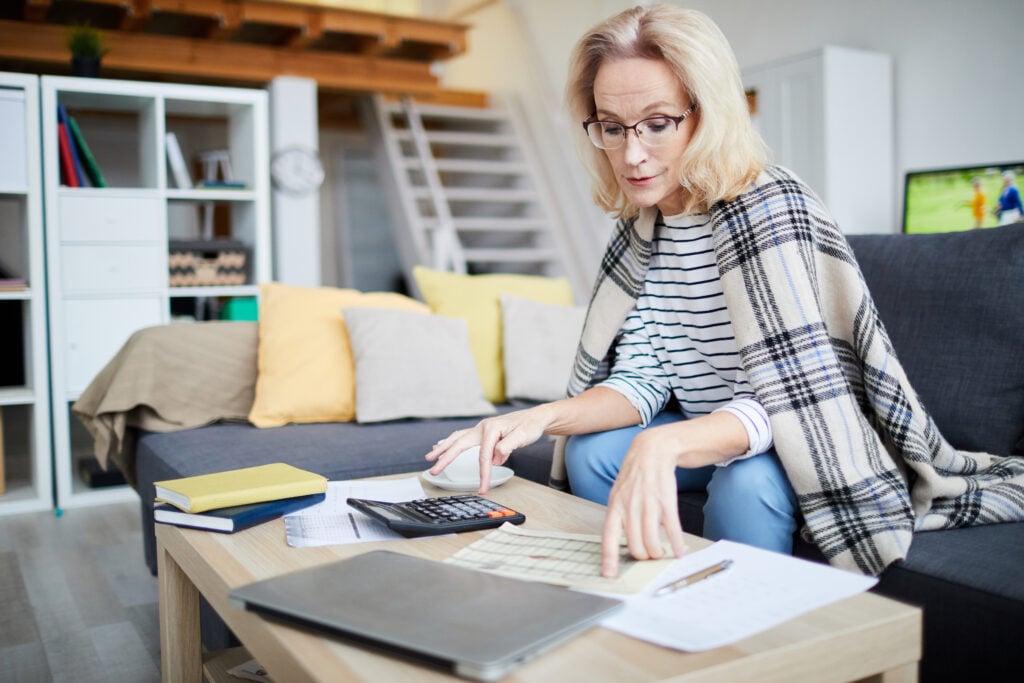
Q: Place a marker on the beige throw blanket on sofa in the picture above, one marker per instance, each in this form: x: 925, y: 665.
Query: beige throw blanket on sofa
x: 167, y: 378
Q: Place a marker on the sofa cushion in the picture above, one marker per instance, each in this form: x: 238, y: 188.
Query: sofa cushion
x: 968, y: 582
x: 412, y: 365
x: 305, y: 367
x: 538, y: 347
x: 953, y: 305
x: 475, y: 299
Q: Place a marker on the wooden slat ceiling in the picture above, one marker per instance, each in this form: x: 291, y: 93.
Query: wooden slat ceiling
x: 237, y: 42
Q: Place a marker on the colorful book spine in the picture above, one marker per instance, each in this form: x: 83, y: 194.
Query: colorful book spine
x: 67, y: 164
x: 62, y: 118
x: 92, y: 169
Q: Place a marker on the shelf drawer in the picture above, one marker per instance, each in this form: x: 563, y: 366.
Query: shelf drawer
x: 116, y: 268
x: 93, y: 218
x: 95, y: 330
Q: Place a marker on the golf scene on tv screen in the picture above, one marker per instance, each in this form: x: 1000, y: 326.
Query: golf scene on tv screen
x: 951, y: 199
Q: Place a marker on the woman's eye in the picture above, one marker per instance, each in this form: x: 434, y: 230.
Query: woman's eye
x: 657, y: 125
x: 611, y: 129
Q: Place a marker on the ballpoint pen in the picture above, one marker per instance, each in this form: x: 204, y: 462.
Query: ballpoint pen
x: 673, y: 586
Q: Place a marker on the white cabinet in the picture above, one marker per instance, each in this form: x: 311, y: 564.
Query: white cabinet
x: 108, y: 244
x: 25, y: 467
x: 828, y: 116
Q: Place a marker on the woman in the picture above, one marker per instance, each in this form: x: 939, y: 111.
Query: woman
x: 725, y: 289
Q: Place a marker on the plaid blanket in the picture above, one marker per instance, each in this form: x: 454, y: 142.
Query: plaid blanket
x: 866, y: 461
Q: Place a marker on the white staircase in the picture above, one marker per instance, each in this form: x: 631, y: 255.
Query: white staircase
x: 471, y: 193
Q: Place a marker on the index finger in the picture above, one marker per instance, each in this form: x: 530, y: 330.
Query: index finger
x: 610, y: 536
x: 486, y: 460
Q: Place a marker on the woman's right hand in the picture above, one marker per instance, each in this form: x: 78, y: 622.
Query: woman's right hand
x: 497, y: 437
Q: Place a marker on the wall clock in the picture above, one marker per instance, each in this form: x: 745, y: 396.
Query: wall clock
x: 297, y: 170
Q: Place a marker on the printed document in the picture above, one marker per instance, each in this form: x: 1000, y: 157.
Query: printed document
x: 562, y: 559
x: 759, y: 590
x: 334, y: 522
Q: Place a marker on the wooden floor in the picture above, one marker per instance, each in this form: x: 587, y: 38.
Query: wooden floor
x: 77, y: 602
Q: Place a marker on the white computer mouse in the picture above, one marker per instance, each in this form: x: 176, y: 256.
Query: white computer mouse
x: 465, y: 468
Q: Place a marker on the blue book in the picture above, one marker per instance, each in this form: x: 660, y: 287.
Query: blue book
x: 236, y: 518
x: 62, y: 117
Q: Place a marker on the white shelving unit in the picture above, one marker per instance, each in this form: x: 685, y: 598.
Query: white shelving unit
x: 107, y: 247
x: 828, y: 116
x: 25, y: 463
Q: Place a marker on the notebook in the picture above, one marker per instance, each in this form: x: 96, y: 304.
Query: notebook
x: 239, y: 487
x: 470, y: 623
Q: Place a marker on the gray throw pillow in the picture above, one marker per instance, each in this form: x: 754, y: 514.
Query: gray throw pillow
x: 412, y: 364
x: 538, y: 345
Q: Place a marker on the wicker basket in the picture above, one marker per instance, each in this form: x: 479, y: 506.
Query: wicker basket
x: 208, y: 263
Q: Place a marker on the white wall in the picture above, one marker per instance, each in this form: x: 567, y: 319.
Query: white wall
x: 958, y: 86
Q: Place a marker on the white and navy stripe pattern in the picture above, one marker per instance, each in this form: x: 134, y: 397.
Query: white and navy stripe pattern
x: 820, y: 362
x: 678, y: 340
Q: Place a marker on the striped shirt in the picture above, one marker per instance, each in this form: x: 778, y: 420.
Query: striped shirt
x: 678, y: 340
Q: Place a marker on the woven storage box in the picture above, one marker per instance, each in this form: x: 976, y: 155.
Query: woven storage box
x: 206, y: 263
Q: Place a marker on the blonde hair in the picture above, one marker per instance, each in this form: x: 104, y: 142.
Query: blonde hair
x: 725, y: 154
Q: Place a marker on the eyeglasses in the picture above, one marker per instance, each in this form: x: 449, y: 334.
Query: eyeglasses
x: 653, y: 132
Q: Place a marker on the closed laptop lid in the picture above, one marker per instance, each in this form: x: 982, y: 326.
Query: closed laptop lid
x: 475, y: 624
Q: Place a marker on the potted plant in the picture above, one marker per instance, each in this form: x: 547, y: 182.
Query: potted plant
x: 86, y: 45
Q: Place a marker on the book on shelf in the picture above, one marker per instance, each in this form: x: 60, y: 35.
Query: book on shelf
x: 239, y: 487
x: 176, y: 160
x: 13, y: 284
x: 92, y: 169
x: 67, y: 164
x: 62, y: 120
x: 223, y: 184
x: 237, y: 517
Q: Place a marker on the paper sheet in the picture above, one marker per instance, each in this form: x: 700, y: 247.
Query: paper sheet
x: 572, y: 560
x: 334, y: 522
x: 761, y: 589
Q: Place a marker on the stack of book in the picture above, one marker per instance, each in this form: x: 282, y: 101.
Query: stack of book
x: 237, y: 499
x: 78, y: 167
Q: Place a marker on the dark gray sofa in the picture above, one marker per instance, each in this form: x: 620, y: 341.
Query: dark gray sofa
x: 954, y: 308
x: 953, y: 305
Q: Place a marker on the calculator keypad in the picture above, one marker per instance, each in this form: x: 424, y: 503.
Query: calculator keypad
x: 456, y: 508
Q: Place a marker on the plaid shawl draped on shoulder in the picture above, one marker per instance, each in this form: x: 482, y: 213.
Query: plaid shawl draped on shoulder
x: 867, y: 463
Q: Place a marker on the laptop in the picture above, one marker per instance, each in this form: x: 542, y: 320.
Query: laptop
x: 470, y: 623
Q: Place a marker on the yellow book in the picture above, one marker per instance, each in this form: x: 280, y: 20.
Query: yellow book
x: 239, y: 487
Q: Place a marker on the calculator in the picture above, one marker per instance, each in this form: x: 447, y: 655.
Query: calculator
x: 433, y: 516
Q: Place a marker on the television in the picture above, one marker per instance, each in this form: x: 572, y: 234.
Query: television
x: 941, y: 200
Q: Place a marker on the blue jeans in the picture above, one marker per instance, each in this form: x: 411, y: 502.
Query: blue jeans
x: 749, y: 500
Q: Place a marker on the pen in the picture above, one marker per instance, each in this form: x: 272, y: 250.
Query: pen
x: 673, y: 586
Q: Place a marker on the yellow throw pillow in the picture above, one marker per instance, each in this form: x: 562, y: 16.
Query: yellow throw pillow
x: 476, y: 299
x: 306, y: 372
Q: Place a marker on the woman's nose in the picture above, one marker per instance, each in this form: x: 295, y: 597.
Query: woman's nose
x: 633, y: 150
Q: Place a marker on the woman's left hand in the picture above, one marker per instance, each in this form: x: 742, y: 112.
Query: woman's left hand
x: 644, y: 501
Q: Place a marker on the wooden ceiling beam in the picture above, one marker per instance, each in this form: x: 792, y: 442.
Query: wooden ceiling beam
x: 221, y: 61
x: 375, y: 34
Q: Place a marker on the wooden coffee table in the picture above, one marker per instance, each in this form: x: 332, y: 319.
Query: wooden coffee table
x: 863, y: 637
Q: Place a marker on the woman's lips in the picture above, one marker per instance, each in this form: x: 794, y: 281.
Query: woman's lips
x: 640, y: 182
